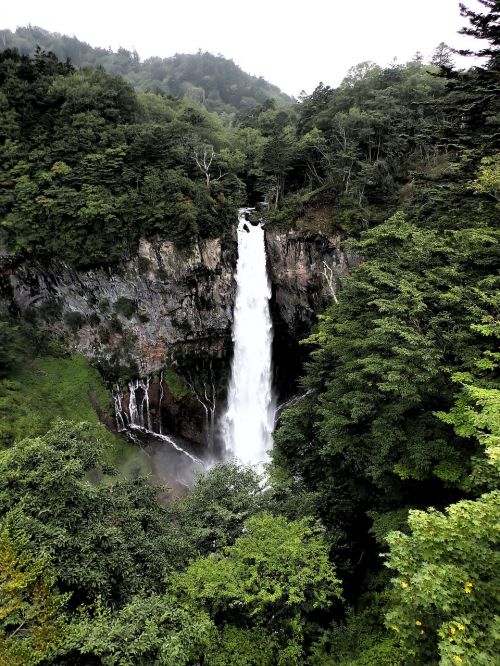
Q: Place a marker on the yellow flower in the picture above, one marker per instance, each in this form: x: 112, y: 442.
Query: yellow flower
x: 395, y: 627
x: 422, y: 632
x: 457, y: 659
x: 468, y: 587
x: 404, y: 584
x: 460, y: 626
x: 418, y: 623
x: 452, y: 631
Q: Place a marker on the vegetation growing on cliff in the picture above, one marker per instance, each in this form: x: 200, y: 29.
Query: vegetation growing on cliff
x: 375, y: 539
x: 40, y: 391
x: 91, y: 165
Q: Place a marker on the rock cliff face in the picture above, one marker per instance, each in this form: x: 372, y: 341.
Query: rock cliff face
x: 304, y: 270
x: 135, y: 315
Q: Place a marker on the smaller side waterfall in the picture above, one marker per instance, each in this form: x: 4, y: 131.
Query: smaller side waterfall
x: 139, y: 411
x: 162, y: 392
x: 120, y: 416
x: 205, y: 392
x: 139, y: 414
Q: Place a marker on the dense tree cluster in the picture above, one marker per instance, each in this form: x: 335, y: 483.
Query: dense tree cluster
x: 88, y: 166
x: 383, y: 432
x: 98, y: 571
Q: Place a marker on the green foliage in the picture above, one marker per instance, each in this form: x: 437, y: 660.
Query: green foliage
x: 213, y: 514
x: 152, y: 630
x: 31, y: 620
x: 272, y: 577
x: 445, y: 591
x: 50, y: 309
x: 9, y: 343
x: 144, y: 265
x: 89, y: 166
x: 176, y: 384
x: 75, y: 320
x: 367, y: 437
x: 361, y: 143
x: 444, y: 596
x: 110, y: 539
x: 125, y: 306
x: 41, y: 391
x: 488, y: 179
x: 252, y: 602
x: 361, y: 640
x: 233, y: 646
x: 383, y: 438
x: 213, y: 81
x: 476, y: 411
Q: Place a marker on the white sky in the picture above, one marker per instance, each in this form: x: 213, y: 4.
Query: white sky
x: 294, y: 44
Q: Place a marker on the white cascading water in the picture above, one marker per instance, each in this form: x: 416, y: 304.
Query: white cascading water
x: 248, y: 423
x: 139, y: 415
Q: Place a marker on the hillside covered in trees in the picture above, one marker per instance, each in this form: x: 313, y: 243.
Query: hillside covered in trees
x: 210, y: 80
x: 373, y: 540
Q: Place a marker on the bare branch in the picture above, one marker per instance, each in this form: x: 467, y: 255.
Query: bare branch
x: 204, y: 161
x: 327, y: 273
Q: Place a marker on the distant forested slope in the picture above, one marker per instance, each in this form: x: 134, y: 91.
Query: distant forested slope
x: 214, y: 81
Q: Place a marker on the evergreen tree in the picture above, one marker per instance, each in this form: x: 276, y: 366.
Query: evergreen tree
x: 442, y: 56
x: 483, y: 26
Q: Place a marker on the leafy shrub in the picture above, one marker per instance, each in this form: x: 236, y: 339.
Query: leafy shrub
x: 125, y: 306
x: 115, y: 325
x: 104, y: 305
x: 50, y: 309
x: 176, y: 384
x: 103, y: 334
x: 94, y: 319
x: 75, y: 320
x: 144, y: 265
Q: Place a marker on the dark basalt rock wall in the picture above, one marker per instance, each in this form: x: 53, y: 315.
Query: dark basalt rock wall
x: 304, y: 270
x: 135, y: 315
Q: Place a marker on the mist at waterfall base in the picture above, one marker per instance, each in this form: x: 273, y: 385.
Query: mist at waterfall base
x: 248, y: 422
x: 167, y: 460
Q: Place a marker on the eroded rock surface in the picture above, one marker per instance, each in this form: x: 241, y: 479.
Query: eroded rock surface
x: 304, y: 270
x: 169, y: 311
x: 137, y: 313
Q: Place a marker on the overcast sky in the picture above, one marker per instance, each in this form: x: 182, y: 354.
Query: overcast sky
x: 293, y: 44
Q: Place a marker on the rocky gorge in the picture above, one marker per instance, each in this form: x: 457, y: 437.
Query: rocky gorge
x: 166, y: 315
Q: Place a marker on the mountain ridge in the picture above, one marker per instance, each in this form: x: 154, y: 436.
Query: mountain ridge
x: 214, y: 81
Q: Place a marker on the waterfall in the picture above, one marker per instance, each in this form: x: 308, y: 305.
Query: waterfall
x: 160, y: 429
x: 248, y: 423
x: 139, y: 413
x: 119, y: 415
